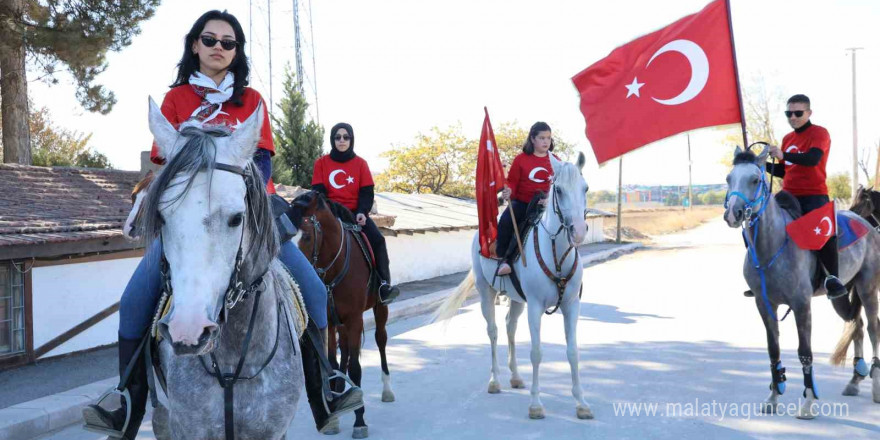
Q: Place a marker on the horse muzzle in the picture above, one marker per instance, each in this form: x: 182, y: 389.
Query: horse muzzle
x: 189, y: 336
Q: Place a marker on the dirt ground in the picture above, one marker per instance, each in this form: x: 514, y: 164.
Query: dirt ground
x: 643, y: 223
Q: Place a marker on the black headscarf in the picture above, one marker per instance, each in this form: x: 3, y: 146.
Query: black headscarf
x: 339, y: 156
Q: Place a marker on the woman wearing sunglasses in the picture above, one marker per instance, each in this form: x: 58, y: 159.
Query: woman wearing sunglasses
x: 345, y: 178
x: 211, y: 87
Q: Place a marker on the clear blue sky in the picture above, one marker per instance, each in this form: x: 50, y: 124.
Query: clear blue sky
x: 395, y: 68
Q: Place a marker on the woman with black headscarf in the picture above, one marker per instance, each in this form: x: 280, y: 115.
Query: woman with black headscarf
x: 345, y: 178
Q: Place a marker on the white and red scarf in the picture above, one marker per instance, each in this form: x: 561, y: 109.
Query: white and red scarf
x: 213, y: 96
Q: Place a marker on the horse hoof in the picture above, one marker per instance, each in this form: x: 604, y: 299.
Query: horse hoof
x: 360, y: 432
x: 332, y: 427
x: 584, y: 412
x: 768, y: 408
x: 494, y: 387
x: 517, y: 383
x: 536, y: 412
x: 387, y: 396
x: 851, y: 390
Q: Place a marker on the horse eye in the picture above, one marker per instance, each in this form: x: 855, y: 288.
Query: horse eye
x: 236, y: 220
x: 754, y: 181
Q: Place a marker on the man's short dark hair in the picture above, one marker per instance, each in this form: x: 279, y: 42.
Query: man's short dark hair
x: 799, y: 99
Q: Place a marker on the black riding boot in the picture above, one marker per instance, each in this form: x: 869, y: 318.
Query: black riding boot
x: 387, y: 292
x: 318, y: 372
x: 112, y: 422
x: 828, y: 257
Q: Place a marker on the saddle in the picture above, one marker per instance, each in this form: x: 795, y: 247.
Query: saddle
x: 533, y: 215
x: 362, y: 241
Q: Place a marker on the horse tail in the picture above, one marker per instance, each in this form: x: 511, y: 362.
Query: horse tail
x: 848, y: 306
x: 849, y: 332
x: 450, y: 307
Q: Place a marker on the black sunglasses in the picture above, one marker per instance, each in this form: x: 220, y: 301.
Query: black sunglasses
x: 342, y: 137
x: 796, y: 113
x: 225, y: 44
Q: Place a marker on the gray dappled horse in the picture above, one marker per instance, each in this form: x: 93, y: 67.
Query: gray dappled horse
x: 231, y: 311
x: 553, y: 240
x: 788, y: 272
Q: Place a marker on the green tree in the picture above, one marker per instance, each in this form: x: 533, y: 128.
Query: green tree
x: 48, y: 34
x: 839, y: 186
x: 433, y: 164
x: 297, y: 140
x: 56, y: 146
x: 712, y: 197
x: 673, y: 199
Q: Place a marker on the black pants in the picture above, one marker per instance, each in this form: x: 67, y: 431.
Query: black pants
x: 505, y: 227
x: 380, y: 250
x: 828, y: 253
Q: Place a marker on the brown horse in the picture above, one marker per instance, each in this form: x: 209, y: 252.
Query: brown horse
x: 338, y: 251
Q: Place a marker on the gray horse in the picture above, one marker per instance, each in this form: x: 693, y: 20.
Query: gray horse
x: 231, y: 312
x: 787, y: 272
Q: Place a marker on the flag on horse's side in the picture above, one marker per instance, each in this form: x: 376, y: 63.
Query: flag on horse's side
x: 490, y: 180
x: 813, y: 230
x: 679, y: 78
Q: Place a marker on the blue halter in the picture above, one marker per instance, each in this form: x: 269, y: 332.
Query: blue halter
x: 753, y: 218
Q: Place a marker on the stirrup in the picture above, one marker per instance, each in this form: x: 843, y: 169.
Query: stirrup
x: 92, y: 422
x: 330, y: 395
x: 828, y: 291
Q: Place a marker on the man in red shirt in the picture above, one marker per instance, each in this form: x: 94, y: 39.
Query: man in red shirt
x: 804, y: 153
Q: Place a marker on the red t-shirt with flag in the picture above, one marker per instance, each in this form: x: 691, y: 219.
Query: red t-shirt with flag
x: 529, y: 174
x: 802, y: 180
x: 181, y: 101
x: 343, y: 180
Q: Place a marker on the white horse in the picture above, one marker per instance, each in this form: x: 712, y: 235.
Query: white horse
x: 550, y: 248
x: 229, y: 358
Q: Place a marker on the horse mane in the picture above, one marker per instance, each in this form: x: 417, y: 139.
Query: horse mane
x: 338, y: 211
x: 199, y: 153
x: 744, y: 157
x: 567, y: 175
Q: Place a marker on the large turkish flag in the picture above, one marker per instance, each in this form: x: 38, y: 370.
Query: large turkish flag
x: 490, y: 180
x: 679, y: 78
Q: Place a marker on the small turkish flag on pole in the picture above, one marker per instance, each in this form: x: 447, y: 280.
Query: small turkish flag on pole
x: 676, y: 79
x: 813, y: 230
x: 490, y: 180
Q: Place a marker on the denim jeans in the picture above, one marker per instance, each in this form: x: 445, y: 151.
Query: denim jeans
x: 142, y: 293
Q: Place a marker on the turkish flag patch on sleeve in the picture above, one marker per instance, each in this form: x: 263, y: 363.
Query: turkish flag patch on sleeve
x: 813, y: 230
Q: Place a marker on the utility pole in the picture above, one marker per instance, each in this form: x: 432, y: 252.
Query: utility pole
x: 619, y: 194
x: 298, y: 46
x: 690, y: 176
x: 269, y: 21
x: 855, y: 163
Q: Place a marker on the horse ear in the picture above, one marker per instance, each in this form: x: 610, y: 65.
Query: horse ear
x: 247, y: 135
x: 554, y: 163
x: 762, y: 158
x: 163, y: 132
x: 737, y: 151
x: 582, y: 160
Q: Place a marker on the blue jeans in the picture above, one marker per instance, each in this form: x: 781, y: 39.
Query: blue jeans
x: 142, y: 293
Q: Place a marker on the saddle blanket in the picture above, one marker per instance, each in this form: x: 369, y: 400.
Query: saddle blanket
x: 849, y: 230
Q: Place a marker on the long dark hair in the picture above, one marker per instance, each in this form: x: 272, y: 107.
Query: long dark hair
x: 529, y: 147
x: 189, y: 62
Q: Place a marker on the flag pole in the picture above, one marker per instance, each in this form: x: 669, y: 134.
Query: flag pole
x: 516, y: 232
x: 742, y: 113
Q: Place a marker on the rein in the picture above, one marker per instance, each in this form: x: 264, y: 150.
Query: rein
x: 753, y: 219
x: 556, y: 276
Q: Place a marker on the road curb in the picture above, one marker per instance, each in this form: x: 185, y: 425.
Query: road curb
x: 29, y: 420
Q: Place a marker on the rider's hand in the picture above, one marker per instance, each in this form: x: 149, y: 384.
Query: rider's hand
x: 361, y: 219
x: 775, y: 152
x: 543, y: 202
x: 505, y: 193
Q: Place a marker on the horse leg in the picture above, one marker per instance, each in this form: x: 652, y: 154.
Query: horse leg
x: 516, y: 309
x: 380, y: 312
x: 353, y: 341
x: 487, y: 305
x: 336, y: 385
x: 344, y: 356
x: 571, y: 314
x: 803, y: 319
x: 536, y: 408
x: 777, y: 372
x: 860, y: 368
x: 871, y: 303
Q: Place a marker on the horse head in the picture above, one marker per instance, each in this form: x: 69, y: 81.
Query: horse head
x: 747, y: 188
x: 863, y: 204
x: 570, y: 196
x: 210, y: 211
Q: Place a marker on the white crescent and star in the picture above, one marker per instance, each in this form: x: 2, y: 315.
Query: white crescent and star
x: 699, y: 72
x: 789, y: 150
x: 534, y: 172
x: 822, y: 222
x: 332, y: 179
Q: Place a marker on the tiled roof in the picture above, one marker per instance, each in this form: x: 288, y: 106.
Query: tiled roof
x: 40, y: 205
